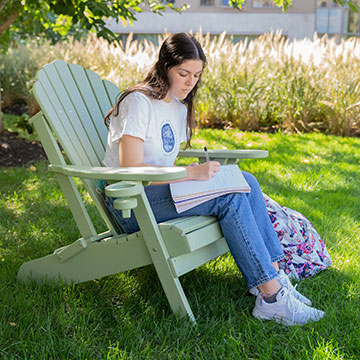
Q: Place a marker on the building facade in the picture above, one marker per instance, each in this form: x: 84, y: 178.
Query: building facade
x: 256, y: 17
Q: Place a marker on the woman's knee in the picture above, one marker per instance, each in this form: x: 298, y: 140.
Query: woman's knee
x: 250, y: 178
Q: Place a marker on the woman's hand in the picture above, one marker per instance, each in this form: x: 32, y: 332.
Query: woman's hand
x: 204, y: 171
x: 131, y: 153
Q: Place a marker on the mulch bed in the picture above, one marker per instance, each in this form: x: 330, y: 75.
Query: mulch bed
x: 16, y: 151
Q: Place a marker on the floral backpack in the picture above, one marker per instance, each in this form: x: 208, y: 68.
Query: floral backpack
x: 305, y: 252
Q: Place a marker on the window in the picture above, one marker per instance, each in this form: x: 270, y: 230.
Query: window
x: 207, y: 3
x: 263, y: 4
x: 329, y: 18
x: 321, y: 4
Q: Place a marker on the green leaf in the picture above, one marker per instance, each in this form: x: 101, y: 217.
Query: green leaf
x: 237, y: 4
x: 284, y: 4
x: 354, y: 7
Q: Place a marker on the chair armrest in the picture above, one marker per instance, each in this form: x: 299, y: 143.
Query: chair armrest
x: 225, y: 156
x: 120, y: 174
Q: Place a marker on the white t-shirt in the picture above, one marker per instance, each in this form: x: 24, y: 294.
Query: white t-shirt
x: 161, y: 125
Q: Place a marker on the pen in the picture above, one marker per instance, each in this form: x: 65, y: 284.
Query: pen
x: 206, y: 154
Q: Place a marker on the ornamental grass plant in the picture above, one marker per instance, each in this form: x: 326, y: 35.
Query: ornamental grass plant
x: 264, y: 84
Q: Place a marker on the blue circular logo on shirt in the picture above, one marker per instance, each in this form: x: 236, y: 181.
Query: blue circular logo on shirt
x: 168, y: 138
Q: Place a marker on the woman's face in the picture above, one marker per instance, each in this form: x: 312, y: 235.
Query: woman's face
x: 183, y: 78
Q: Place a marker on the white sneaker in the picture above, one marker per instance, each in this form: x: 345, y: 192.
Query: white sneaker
x: 286, y: 310
x: 285, y: 282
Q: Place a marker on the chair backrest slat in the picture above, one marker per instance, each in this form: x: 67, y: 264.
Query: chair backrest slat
x: 72, y: 90
x: 112, y: 91
x: 53, y: 110
x: 103, y: 100
x: 90, y: 113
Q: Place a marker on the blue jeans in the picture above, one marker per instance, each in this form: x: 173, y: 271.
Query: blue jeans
x: 243, y: 219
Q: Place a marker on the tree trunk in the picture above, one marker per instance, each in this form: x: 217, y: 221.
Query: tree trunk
x: 9, y: 21
x: 3, y: 27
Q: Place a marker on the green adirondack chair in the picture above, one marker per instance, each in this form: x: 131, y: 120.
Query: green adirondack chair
x: 73, y: 103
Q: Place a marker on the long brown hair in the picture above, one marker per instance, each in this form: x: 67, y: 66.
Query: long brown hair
x: 174, y: 50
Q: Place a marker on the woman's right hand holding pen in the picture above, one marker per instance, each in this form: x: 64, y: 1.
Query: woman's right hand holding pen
x: 204, y: 171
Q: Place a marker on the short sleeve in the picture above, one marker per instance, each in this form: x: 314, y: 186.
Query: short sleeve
x: 138, y: 115
x: 132, y: 119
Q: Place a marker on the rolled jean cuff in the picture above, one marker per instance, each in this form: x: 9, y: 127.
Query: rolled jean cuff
x: 278, y: 258
x: 264, y: 280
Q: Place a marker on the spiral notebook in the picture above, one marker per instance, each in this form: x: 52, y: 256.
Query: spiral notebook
x: 188, y: 194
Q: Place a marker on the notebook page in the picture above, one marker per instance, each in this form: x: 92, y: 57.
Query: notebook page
x: 188, y: 194
x: 190, y: 203
x: 229, y: 176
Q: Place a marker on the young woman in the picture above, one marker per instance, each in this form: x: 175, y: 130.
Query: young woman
x: 147, y: 126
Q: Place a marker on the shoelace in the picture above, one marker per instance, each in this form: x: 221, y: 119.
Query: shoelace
x: 286, y: 283
x: 295, y: 306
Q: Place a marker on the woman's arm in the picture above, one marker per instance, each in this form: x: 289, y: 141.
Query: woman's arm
x: 131, y: 153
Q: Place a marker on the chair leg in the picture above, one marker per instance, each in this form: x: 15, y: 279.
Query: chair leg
x: 159, y: 254
x: 175, y: 294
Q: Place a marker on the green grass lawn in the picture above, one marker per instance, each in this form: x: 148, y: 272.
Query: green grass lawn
x: 126, y: 316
